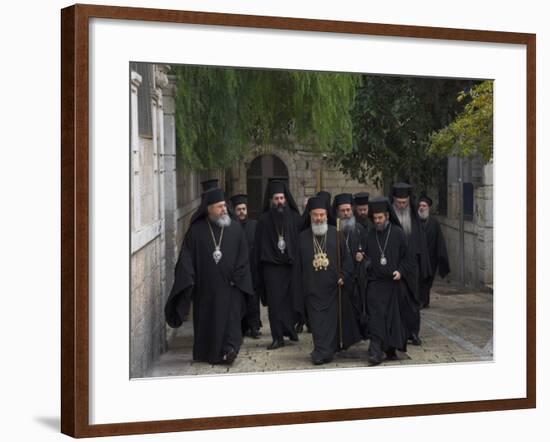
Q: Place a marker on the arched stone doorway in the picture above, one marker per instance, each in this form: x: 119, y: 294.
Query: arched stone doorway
x: 260, y: 170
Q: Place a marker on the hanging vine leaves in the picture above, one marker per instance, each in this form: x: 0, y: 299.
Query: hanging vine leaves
x: 222, y: 112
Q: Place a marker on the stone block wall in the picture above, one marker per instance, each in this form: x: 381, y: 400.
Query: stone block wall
x: 307, y: 171
x: 146, y: 307
x: 478, y: 233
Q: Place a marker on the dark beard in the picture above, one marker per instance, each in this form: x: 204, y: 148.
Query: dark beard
x: 381, y: 227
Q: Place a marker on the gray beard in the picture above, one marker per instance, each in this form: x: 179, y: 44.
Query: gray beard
x: 222, y: 221
x: 319, y: 229
x: 424, y: 215
x: 347, y: 224
x: 404, y: 216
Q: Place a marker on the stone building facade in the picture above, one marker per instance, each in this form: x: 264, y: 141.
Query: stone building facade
x: 305, y: 171
x: 469, y: 237
x: 163, y: 197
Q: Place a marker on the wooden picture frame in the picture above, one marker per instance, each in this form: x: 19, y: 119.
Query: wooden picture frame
x: 75, y: 218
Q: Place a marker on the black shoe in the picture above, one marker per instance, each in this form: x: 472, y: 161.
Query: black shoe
x: 391, y: 355
x: 293, y: 337
x: 229, y: 357
x: 374, y: 353
x: 415, y: 339
x: 275, y: 345
x: 255, y: 334
x: 317, y: 361
x: 374, y: 360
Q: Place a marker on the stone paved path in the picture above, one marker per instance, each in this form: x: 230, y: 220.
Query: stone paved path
x: 458, y: 327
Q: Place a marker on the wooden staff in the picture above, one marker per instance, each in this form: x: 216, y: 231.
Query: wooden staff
x: 339, y: 270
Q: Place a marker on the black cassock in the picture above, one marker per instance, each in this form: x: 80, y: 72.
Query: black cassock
x: 320, y: 291
x: 356, y: 242
x: 437, y: 252
x: 273, y: 281
x: 366, y: 223
x: 418, y: 251
x: 216, y: 290
x: 251, y: 319
x: 383, y: 293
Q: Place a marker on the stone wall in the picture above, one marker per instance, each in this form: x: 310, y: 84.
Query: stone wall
x: 308, y: 173
x: 478, y: 233
x: 153, y: 195
x: 147, y: 334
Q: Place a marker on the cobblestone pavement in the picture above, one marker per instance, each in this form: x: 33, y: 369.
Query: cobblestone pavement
x: 458, y: 327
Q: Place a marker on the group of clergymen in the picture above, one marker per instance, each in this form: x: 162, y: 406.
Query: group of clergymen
x: 350, y: 270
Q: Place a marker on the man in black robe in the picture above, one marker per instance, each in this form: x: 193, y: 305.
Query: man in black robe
x: 207, y: 186
x: 251, y: 322
x: 213, y: 271
x: 437, y: 250
x: 324, y: 269
x: 361, y: 210
x: 403, y: 204
x: 275, y: 247
x: 302, y: 319
x: 355, y: 240
x: 390, y: 268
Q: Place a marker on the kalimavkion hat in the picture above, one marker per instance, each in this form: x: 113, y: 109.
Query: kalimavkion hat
x: 209, y: 184
x: 426, y: 199
x: 379, y: 205
x: 239, y: 199
x: 343, y: 198
x: 361, y: 198
x: 214, y: 196
x: 401, y: 190
x: 316, y: 202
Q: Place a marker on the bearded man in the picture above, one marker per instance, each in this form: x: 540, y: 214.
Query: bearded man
x: 276, y: 242
x: 361, y: 210
x: 355, y: 240
x: 213, y: 272
x: 390, y: 267
x: 418, y: 248
x: 324, y: 269
x: 437, y: 250
x: 251, y: 322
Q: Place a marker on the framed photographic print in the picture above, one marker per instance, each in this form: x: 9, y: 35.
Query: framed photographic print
x: 158, y: 104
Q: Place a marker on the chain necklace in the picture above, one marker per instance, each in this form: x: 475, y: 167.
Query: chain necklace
x: 217, y: 254
x: 281, y: 244
x: 383, y: 260
x: 320, y: 258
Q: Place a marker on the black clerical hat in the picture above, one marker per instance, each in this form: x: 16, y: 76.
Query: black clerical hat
x: 316, y: 202
x: 361, y: 198
x: 209, y: 184
x: 276, y: 186
x: 213, y: 196
x: 426, y: 199
x: 401, y: 190
x: 239, y: 199
x: 378, y: 205
x: 343, y: 198
x: 325, y: 195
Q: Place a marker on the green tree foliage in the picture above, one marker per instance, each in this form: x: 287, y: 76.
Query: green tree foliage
x: 221, y: 112
x: 393, y: 118
x: 471, y: 133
